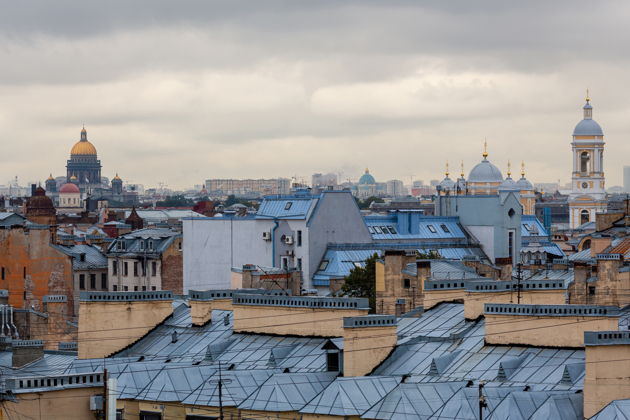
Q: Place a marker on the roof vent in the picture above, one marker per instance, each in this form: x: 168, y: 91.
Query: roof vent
x: 508, y: 367
x: 439, y: 364
x: 174, y: 337
x: 572, y: 372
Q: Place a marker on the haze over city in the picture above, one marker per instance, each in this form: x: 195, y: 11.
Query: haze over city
x: 178, y: 93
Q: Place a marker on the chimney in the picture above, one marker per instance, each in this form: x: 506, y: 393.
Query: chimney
x: 203, y: 302
x: 599, y: 244
x: 402, y: 221
x: 414, y: 222
x: 367, y: 341
x: 101, y: 315
x: 26, y: 351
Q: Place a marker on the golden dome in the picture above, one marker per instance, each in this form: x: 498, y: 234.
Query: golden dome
x: 73, y: 178
x: 50, y: 178
x: 83, y: 147
x: 117, y: 178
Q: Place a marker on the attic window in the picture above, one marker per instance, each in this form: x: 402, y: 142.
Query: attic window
x: 141, y: 245
x: 378, y: 229
x: 431, y: 228
x: 445, y: 228
x: 392, y: 230
x: 151, y: 245
x: 323, y: 265
x: 288, y: 205
x: 371, y: 229
x: 511, y: 212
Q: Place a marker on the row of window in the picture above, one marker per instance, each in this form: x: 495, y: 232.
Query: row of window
x: 135, y: 288
x: 93, y: 281
x: 121, y: 245
x: 4, y: 271
x: 382, y: 230
x: 137, y: 266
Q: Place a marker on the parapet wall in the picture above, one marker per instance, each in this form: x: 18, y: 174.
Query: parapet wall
x: 295, y: 315
x: 533, y: 292
x: 110, y: 321
x: 367, y: 341
x: 438, y: 291
x: 607, y: 375
x: 546, y: 325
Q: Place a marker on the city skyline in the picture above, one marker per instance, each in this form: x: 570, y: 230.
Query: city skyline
x: 229, y: 94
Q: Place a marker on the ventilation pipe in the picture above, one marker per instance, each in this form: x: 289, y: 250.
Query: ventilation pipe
x: 12, y: 325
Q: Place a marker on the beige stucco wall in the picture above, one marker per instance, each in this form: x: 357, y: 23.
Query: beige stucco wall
x: 366, y: 348
x: 432, y: 297
x: 106, y: 327
x: 607, y: 376
x: 201, y: 310
x: 285, y: 320
x: 474, y: 301
x: 230, y: 413
x: 67, y: 404
x: 269, y: 415
x: 324, y: 417
x: 561, y: 331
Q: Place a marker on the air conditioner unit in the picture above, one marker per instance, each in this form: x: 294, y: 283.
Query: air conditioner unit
x: 96, y: 403
x: 288, y: 240
x: 266, y: 236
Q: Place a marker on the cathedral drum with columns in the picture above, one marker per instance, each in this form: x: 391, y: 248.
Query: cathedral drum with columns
x: 84, y: 164
x: 588, y: 194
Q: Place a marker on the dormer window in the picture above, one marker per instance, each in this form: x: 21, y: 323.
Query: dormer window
x: 151, y: 245
x: 141, y: 245
x: 445, y: 228
x: 288, y: 205
x: 431, y: 228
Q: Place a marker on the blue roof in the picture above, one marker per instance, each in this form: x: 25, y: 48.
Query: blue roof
x: 532, y: 228
x: 93, y: 258
x: 429, y: 227
x: 296, y: 207
x: 616, y: 410
x: 588, y: 127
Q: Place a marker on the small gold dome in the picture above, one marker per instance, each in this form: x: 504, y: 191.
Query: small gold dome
x: 83, y: 147
x: 117, y: 178
x: 50, y: 178
x: 73, y: 178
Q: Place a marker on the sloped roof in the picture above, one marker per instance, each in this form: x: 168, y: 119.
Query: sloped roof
x: 413, y: 401
x: 288, y: 391
x: 429, y: 227
x: 93, y: 257
x: 237, y: 386
x: 351, y: 396
x: 616, y: 410
x: 297, y: 207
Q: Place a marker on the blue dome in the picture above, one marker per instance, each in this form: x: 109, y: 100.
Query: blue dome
x: 588, y: 127
x: 367, y: 179
x: 508, y: 185
x: 447, y: 184
x: 523, y: 184
x: 485, y: 172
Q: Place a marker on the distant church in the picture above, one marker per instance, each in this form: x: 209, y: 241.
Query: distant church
x: 84, y: 164
x: 588, y: 194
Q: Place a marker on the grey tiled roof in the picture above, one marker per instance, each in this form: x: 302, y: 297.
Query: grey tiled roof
x: 93, y: 257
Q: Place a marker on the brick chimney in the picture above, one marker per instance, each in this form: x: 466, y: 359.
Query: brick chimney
x: 26, y: 351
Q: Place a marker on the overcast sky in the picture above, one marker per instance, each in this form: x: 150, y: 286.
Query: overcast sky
x: 181, y: 91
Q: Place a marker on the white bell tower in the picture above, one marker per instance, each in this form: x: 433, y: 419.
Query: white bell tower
x: 588, y: 194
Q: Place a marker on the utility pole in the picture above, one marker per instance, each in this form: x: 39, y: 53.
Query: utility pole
x: 220, y: 394
x: 482, y: 400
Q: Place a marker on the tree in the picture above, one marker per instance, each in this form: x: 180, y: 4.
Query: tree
x: 431, y: 255
x: 361, y: 282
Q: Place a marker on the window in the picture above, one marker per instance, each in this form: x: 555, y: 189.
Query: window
x: 150, y: 416
x: 431, y: 229
x: 126, y: 288
x: 144, y: 288
x: 114, y: 267
x: 584, y: 217
x: 406, y: 283
x: 357, y: 264
x: 323, y: 265
x: 144, y: 268
x: 115, y: 287
x: 371, y: 229
x: 92, y: 281
x: 585, y: 245
x: 151, y: 245
x: 135, y: 269
x: 120, y: 245
x: 125, y: 269
x: 141, y: 245
x: 153, y: 288
x: 299, y: 264
x: 179, y: 245
x: 2, y: 273
x: 153, y: 268
x: 288, y: 205
x: 511, y: 212
x: 135, y: 288
x: 584, y: 160
x: 82, y: 281
x: 377, y: 229
x: 299, y: 238
x: 445, y: 228
x: 511, y: 244
x: 591, y: 290
x: 332, y: 361
x: 392, y: 230
x: 24, y: 272
x: 104, y: 281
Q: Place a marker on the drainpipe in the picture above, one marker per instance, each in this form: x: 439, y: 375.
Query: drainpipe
x: 15, y: 331
x: 273, y: 242
x: 2, y: 325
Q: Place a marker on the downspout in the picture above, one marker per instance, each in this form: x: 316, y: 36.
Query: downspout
x: 273, y: 242
x: 15, y: 331
x: 2, y: 325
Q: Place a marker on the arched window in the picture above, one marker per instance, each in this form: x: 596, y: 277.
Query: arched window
x: 586, y: 244
x: 584, y: 217
x: 584, y: 158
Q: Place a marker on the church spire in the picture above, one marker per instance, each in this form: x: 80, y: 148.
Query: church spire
x: 462, y: 170
x: 509, y: 171
x: 588, y: 109
x: 523, y: 169
x: 447, y: 169
x: 485, y: 149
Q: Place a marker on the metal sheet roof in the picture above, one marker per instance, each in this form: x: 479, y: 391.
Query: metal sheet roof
x: 429, y: 227
x: 93, y: 257
x: 616, y: 410
x: 413, y: 401
x: 351, y: 396
x: 288, y: 391
x: 287, y: 207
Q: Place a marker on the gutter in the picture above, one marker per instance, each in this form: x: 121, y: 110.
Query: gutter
x: 273, y: 241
